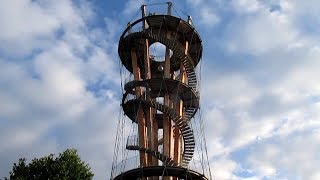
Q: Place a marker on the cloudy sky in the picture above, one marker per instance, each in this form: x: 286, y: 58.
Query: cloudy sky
x: 60, y: 82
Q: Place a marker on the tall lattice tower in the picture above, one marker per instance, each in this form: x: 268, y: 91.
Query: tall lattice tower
x: 160, y: 98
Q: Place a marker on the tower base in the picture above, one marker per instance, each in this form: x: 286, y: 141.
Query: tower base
x: 158, y: 171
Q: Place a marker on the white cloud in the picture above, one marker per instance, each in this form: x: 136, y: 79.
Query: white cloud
x: 24, y: 19
x: 204, y: 12
x: 293, y: 156
x: 48, y: 60
x: 262, y: 33
x: 267, y: 100
x: 241, y: 112
x: 260, y: 98
x: 224, y: 168
x: 208, y: 17
x: 246, y: 6
x: 132, y: 6
x: 34, y: 23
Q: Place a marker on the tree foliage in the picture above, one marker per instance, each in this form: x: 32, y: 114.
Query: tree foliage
x: 67, y: 165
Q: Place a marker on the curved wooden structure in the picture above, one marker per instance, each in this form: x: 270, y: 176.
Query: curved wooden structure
x: 163, y: 96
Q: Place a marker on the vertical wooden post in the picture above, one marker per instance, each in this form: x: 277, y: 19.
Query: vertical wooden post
x: 141, y: 119
x: 167, y: 127
x: 190, y: 20
x: 148, y: 111
x: 169, y: 8
x: 155, y: 137
x: 166, y: 120
x: 143, y: 14
x: 148, y: 114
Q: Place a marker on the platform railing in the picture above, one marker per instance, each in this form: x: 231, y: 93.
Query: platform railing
x: 133, y: 163
x: 132, y: 141
x: 125, y: 165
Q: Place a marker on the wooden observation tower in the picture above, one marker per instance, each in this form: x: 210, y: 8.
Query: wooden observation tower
x: 160, y: 97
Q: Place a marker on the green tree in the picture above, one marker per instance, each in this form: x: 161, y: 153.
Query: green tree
x: 66, y: 166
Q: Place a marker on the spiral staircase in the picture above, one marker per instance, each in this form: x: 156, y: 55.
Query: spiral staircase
x: 172, y: 80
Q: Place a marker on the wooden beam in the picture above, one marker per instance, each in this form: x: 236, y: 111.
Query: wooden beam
x: 155, y: 137
x: 167, y: 127
x: 140, y: 115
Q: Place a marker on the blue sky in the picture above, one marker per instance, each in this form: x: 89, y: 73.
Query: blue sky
x: 260, y: 92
